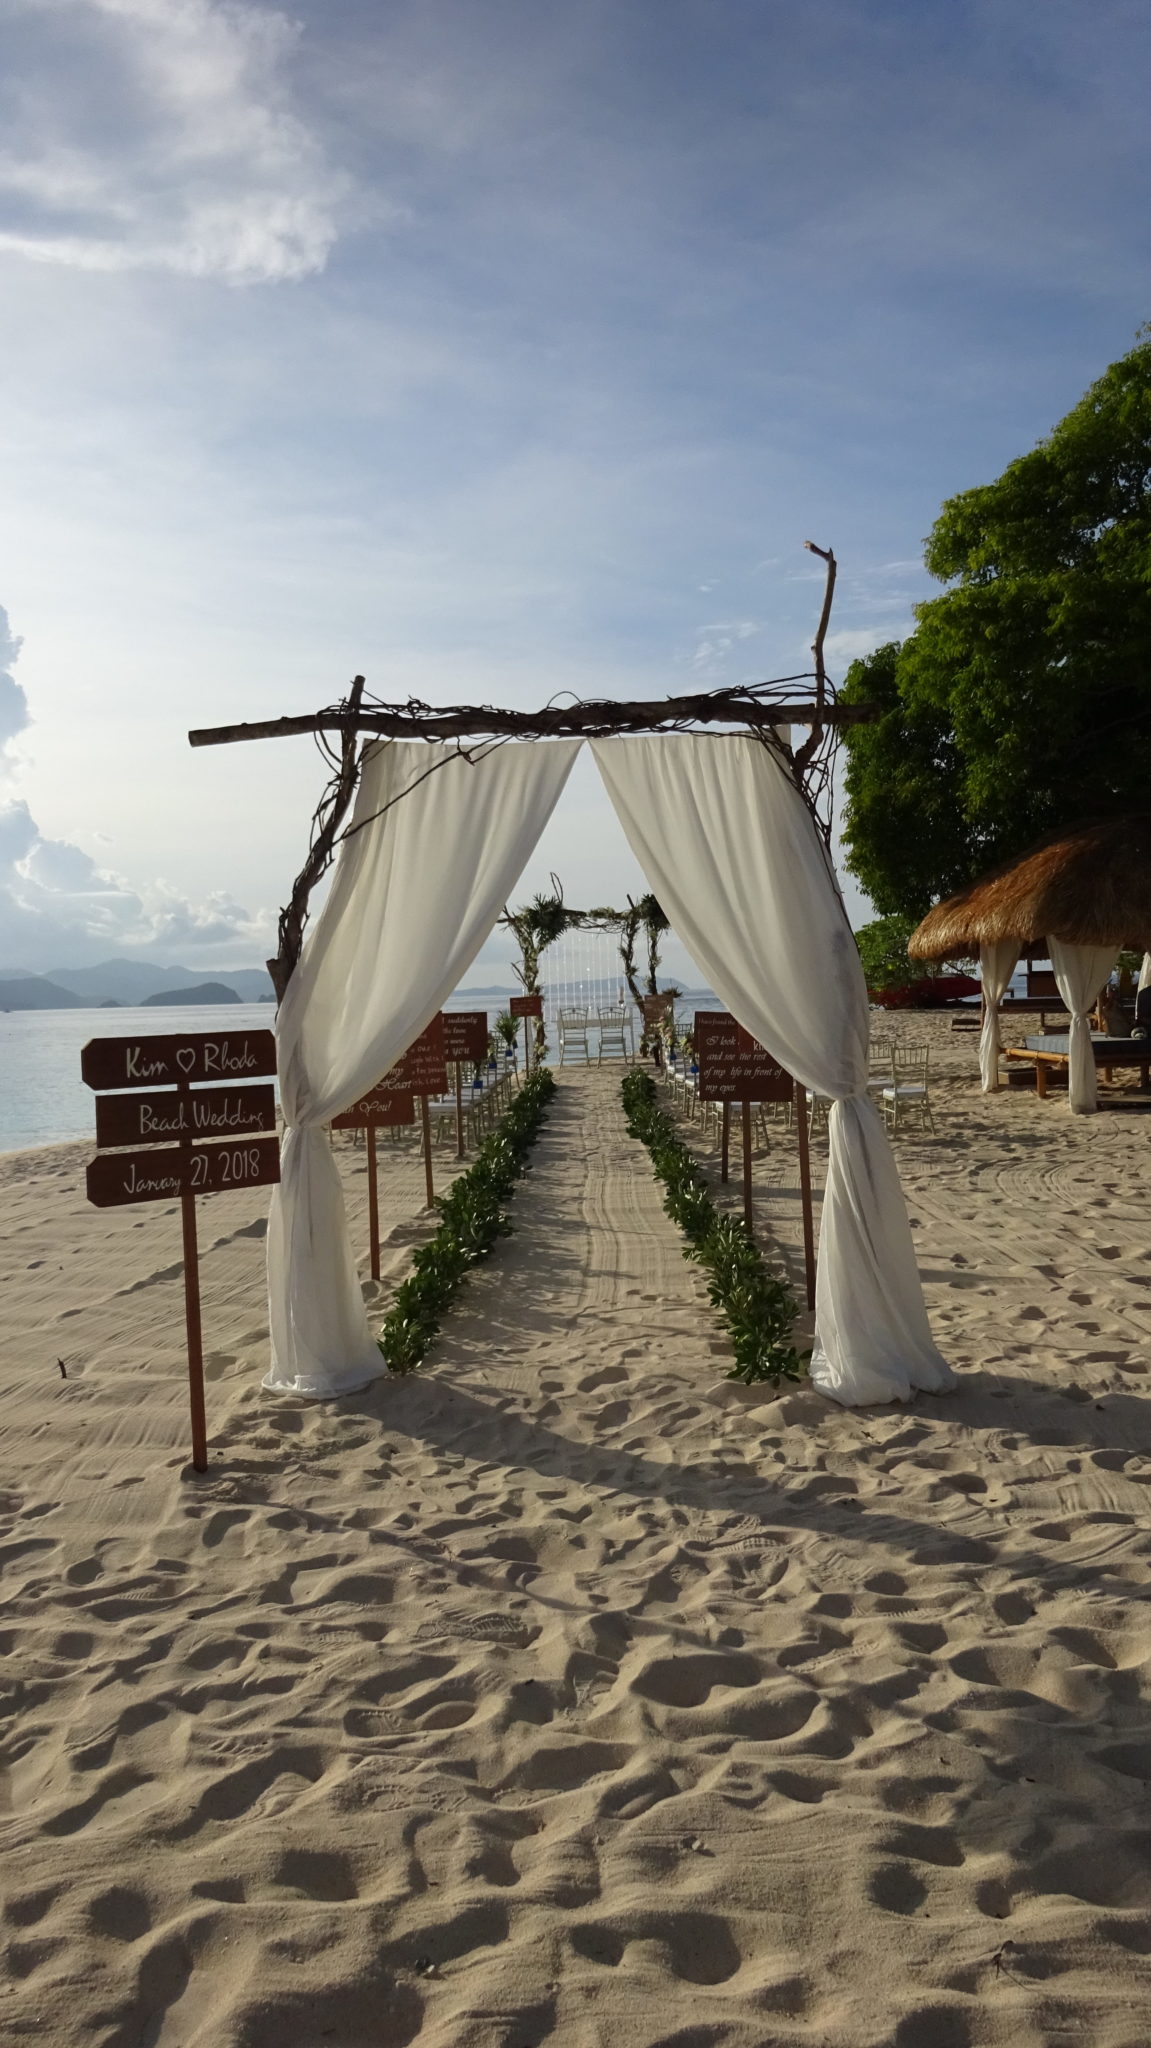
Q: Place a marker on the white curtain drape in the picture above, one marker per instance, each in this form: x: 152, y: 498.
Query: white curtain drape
x: 1145, y: 973
x: 413, y: 897
x: 1080, y: 972
x: 733, y: 855
x: 996, y: 967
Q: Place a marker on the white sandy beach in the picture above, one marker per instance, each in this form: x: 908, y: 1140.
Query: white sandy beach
x: 565, y: 1691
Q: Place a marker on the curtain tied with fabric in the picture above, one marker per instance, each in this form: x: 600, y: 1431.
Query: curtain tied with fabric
x: 731, y: 850
x: 428, y: 863
x: 1080, y: 972
x: 996, y: 967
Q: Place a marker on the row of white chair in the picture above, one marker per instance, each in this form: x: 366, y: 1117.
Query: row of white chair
x: 614, y: 1038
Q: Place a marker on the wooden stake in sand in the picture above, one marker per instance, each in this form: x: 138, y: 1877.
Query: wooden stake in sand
x: 380, y: 1109
x: 170, y: 1113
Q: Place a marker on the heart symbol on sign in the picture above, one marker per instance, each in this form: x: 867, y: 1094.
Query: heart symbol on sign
x: 185, y: 1058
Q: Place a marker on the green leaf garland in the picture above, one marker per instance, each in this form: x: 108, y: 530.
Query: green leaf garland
x: 472, y: 1217
x: 757, y: 1307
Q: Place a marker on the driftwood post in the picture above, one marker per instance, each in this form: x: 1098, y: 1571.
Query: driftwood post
x: 325, y: 830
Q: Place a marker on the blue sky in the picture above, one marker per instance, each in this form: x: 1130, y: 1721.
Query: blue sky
x: 493, y: 349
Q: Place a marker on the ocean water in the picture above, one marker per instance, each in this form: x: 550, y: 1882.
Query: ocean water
x: 43, y: 1101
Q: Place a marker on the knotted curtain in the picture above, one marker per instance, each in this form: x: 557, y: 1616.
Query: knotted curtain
x: 416, y: 890
x: 731, y: 851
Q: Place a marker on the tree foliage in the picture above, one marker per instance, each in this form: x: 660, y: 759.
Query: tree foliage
x: 883, y: 951
x: 1022, y: 701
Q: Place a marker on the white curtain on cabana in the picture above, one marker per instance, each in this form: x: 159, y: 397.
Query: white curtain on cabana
x: 414, y: 895
x: 1080, y: 972
x: 1144, y: 974
x: 731, y: 851
x: 996, y: 967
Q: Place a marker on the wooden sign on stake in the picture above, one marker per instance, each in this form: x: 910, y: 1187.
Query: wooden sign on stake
x: 423, y: 1071
x: 228, y: 1115
x: 525, y: 1007
x: 466, y: 1043
x: 734, y: 1067
x: 656, y: 1008
x: 466, y: 1036
x: 423, y: 1068
x: 380, y: 1107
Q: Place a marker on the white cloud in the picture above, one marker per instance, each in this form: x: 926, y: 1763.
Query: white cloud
x: 852, y: 643
x: 57, y: 905
x: 160, y: 134
x: 714, y: 643
x: 13, y: 702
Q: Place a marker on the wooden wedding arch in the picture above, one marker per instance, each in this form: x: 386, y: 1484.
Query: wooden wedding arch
x: 761, y: 708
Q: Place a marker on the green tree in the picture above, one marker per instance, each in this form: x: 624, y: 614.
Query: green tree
x: 1022, y: 701
x: 883, y: 951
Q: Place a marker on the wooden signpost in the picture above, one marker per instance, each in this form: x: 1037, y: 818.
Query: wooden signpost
x: 177, y: 1118
x: 423, y: 1071
x: 525, y: 1007
x: 656, y: 1008
x: 735, y: 1067
x: 465, y: 1043
x: 379, y: 1107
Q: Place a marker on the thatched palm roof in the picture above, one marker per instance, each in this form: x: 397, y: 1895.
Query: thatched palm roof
x: 1089, y: 885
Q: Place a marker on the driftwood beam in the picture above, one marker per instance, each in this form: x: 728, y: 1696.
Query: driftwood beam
x: 591, y: 720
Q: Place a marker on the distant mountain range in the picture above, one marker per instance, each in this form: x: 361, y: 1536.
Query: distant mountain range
x: 128, y: 982
x: 141, y: 984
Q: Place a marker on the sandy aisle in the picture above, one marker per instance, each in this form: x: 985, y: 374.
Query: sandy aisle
x: 562, y: 1692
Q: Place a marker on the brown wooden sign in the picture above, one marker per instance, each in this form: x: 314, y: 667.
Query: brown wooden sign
x: 466, y: 1035
x: 118, y: 1177
x: 656, y: 1008
x: 526, y: 1006
x: 379, y: 1106
x: 422, y: 1070
x: 227, y: 1114
x: 733, y: 1066
x: 202, y: 1113
x: 169, y: 1062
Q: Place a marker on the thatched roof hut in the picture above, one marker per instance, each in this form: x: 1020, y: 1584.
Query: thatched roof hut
x: 1089, y: 885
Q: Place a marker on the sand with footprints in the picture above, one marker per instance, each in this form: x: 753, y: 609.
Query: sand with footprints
x: 566, y: 1691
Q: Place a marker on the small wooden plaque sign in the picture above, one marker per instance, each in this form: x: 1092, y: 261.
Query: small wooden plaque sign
x: 164, y: 1062
x: 466, y: 1035
x: 379, y: 1106
x: 118, y: 1177
x: 526, y: 1006
x: 164, y: 1119
x: 656, y: 1008
x: 733, y: 1066
x: 422, y: 1070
